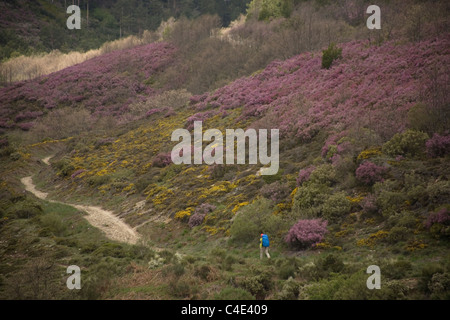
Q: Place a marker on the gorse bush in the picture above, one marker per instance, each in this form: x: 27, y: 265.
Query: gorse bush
x: 253, y: 219
x: 408, y: 143
x: 330, y: 54
x: 309, y: 199
x: 312, y: 194
x: 336, y: 206
x: 306, y: 233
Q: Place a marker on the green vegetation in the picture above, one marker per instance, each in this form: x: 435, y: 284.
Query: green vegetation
x: 330, y: 54
x: 358, y: 169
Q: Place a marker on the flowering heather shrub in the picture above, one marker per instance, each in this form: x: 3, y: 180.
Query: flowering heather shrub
x: 438, y: 146
x: 369, y: 204
x: 441, y: 217
x: 152, y: 111
x: 162, y: 160
x: 407, y: 143
x: 369, y: 173
x: 276, y: 191
x: 199, y: 214
x: 28, y: 115
x: 25, y: 126
x: 354, y: 91
x: 200, y: 116
x: 105, y: 85
x: 306, y: 233
x: 196, y: 219
x: 4, y: 143
x: 77, y: 172
x: 304, y: 175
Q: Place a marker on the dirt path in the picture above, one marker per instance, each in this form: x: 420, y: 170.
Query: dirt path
x: 47, y: 160
x: 110, y: 224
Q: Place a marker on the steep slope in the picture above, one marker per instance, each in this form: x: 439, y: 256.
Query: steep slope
x: 364, y: 154
x: 325, y: 116
x: 103, y: 85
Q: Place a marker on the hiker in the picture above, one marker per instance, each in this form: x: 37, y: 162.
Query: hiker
x: 264, y: 245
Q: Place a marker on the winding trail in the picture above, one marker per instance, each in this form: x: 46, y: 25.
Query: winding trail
x: 110, y: 224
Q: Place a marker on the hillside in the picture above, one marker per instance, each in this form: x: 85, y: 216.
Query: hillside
x: 363, y: 179
x: 28, y: 27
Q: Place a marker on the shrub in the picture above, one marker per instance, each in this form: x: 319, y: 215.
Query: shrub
x: 196, y: 219
x: 397, y: 269
x: 25, y: 209
x: 4, y: 143
x: 408, y: 143
x: 330, y: 54
x: 336, y: 206
x: 258, y: 285
x: 390, y: 198
x: 64, y: 167
x: 438, y: 223
x: 254, y: 219
x: 180, y: 288
x: 286, y: 270
x: 199, y: 214
x: 276, y: 191
x: 438, y: 146
x: 369, y: 204
x: 304, y: 175
x: 331, y: 263
x: 306, y: 233
x: 428, y: 271
x: 369, y: 173
x: 290, y: 290
x: 441, y: 217
x: 438, y: 191
x: 439, y: 286
x: 324, y: 174
x: 96, y: 181
x: 162, y: 160
x: 397, y: 234
x: 308, y: 200
x: 54, y: 224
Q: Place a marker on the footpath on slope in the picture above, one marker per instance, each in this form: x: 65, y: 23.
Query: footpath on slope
x: 110, y: 224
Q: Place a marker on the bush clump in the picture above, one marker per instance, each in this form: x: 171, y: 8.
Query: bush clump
x: 408, y: 143
x: 253, y: 219
x: 330, y: 54
x: 25, y: 209
x: 276, y: 191
x: 162, y: 160
x: 199, y: 214
x: 306, y: 233
x: 438, y: 223
x: 438, y: 146
x: 336, y: 206
x: 369, y: 173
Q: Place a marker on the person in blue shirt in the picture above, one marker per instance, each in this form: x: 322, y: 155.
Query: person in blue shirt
x: 264, y: 246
